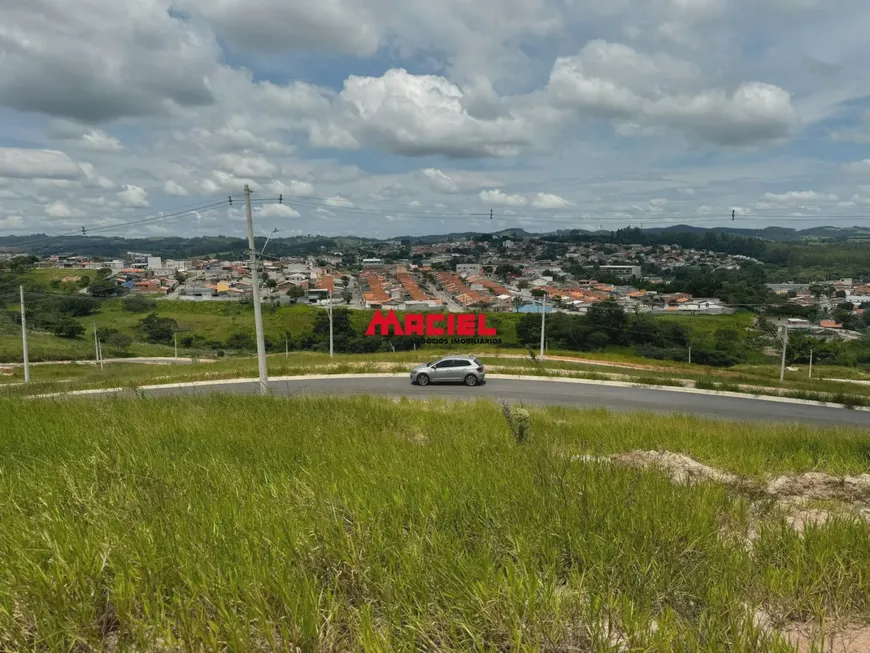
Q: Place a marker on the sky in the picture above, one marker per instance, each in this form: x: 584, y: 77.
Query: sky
x: 406, y: 117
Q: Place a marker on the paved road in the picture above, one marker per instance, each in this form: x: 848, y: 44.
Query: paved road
x: 562, y: 394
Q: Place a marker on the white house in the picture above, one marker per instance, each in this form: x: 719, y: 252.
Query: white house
x: 468, y: 268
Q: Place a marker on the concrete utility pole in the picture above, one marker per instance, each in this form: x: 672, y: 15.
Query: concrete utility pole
x: 286, y: 346
x: 784, y: 347
x: 690, y: 354
x: 811, y: 364
x: 98, y: 351
x: 330, y: 324
x: 543, y: 322
x: 24, y: 337
x: 255, y: 287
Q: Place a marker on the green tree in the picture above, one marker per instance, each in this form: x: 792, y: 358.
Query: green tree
x: 158, y: 330
x: 66, y: 327
x: 119, y: 341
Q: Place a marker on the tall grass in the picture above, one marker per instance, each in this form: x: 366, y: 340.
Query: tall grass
x: 248, y: 524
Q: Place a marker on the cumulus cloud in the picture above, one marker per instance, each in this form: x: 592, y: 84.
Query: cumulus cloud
x: 800, y: 196
x: 95, y: 61
x: 11, y: 222
x: 254, y: 167
x: 456, y: 181
x: 417, y: 115
x: 87, y: 138
x: 174, y: 188
x: 274, y: 26
x: 134, y: 196
x: 338, y: 201
x: 856, y: 167
x: 292, y: 188
x: 61, y: 210
x: 278, y: 211
x: 500, y: 198
x: 614, y: 82
x: 550, y: 201
x: 20, y: 163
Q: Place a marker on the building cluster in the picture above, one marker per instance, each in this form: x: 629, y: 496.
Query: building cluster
x: 602, y: 255
x: 454, y: 276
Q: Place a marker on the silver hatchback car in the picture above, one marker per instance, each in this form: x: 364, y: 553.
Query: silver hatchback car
x: 450, y: 369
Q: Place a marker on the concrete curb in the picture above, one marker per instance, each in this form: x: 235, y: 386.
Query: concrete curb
x: 510, y: 377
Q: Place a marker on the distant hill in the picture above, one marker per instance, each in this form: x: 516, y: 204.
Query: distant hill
x: 439, y: 238
x: 111, y: 247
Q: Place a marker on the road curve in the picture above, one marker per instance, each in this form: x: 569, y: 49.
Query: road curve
x: 545, y: 392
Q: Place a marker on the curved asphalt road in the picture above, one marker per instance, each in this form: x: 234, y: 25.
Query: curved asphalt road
x: 577, y: 395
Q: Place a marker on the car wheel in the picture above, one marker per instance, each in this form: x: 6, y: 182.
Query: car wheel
x: 470, y: 380
x: 422, y: 379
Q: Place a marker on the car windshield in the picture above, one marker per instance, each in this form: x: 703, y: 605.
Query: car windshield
x: 430, y: 364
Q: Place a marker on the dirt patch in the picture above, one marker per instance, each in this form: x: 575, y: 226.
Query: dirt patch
x: 793, y: 496
x: 815, y: 485
x: 681, y: 468
x: 809, y: 637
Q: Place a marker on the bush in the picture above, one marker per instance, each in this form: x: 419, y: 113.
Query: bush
x: 241, y: 341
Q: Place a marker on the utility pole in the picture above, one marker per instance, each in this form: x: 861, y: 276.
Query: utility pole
x: 543, y: 322
x: 100, y: 349
x: 286, y: 346
x: 97, y: 355
x: 175, y: 338
x: 24, y: 337
x: 690, y: 354
x: 255, y: 287
x: 784, y: 346
x: 330, y: 324
x: 811, y: 364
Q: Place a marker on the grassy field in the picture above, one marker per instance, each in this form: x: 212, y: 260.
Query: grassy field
x: 46, y: 347
x: 705, y: 325
x: 257, y: 524
x: 47, y: 275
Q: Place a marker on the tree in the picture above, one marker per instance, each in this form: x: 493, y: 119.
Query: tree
x: 158, y: 330
x: 84, y: 281
x: 608, y: 317
x: 271, y: 284
x: 295, y: 292
x: 597, y: 340
x: 66, y: 327
x: 104, y: 288
x: 119, y: 341
x: 347, y: 296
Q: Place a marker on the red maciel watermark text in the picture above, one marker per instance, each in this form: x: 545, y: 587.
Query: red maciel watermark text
x: 429, y: 324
